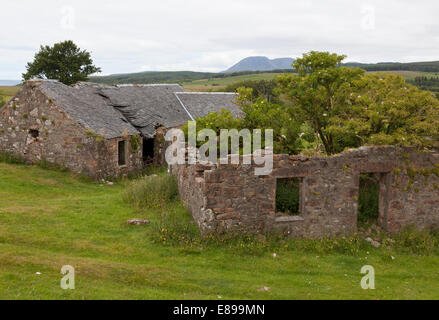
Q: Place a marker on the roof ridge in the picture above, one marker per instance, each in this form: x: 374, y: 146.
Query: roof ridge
x: 212, y: 93
x: 147, y: 85
x: 184, y: 107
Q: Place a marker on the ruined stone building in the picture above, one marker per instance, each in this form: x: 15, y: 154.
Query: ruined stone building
x: 100, y: 131
x: 228, y: 197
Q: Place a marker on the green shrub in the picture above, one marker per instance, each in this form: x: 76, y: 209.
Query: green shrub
x: 154, y: 191
x: 7, y: 157
x: 135, y: 142
x: 368, y: 201
x: 415, y: 241
x: 287, y: 196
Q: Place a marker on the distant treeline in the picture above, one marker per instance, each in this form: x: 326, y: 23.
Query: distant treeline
x: 432, y: 66
x: 426, y: 83
x: 172, y: 76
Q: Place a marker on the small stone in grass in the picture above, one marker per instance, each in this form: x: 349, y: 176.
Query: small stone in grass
x: 374, y: 243
x: 138, y: 222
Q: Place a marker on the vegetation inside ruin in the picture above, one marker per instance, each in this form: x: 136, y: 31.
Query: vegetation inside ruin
x: 368, y: 200
x: 153, y: 191
x: 72, y: 221
x: 288, y: 196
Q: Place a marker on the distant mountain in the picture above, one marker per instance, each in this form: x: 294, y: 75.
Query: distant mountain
x: 7, y: 83
x: 261, y: 64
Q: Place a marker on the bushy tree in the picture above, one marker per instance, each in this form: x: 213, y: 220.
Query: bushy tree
x: 64, y: 62
x: 320, y: 91
x: 347, y: 108
x: 258, y: 114
x: 385, y: 110
x: 336, y: 107
x: 261, y: 89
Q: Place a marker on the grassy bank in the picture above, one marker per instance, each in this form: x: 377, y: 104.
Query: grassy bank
x: 221, y: 83
x: 49, y: 219
x: 9, y: 92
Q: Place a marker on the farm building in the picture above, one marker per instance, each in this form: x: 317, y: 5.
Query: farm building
x: 99, y: 131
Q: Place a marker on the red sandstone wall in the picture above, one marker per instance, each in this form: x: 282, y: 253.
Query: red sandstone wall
x: 230, y: 197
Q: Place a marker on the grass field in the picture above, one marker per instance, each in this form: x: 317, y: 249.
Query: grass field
x: 409, y: 75
x: 221, y: 83
x: 9, y: 92
x: 49, y: 219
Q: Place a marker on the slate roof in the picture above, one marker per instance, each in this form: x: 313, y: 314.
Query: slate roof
x: 91, y: 110
x: 113, y: 111
x: 148, y: 106
x: 200, y: 104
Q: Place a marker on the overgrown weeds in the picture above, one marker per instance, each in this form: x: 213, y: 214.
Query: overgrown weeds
x: 154, y: 191
x: 171, y: 231
x: 414, y: 241
x: 175, y: 232
x: 10, y: 158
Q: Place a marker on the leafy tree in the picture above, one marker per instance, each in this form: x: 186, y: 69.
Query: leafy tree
x: 349, y: 109
x: 320, y: 91
x: 257, y: 114
x: 64, y: 62
x: 385, y: 110
x: 337, y: 108
x: 261, y: 89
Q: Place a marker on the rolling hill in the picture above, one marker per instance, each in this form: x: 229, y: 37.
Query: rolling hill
x: 172, y: 76
x: 431, y: 66
x: 261, y: 64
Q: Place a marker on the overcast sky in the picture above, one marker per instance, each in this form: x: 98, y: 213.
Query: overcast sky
x: 204, y: 35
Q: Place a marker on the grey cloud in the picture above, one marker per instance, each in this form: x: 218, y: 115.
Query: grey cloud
x: 136, y: 35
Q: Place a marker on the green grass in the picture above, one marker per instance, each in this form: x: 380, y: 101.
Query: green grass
x: 409, y: 75
x: 154, y: 191
x: 50, y: 218
x: 9, y: 92
x: 220, y: 83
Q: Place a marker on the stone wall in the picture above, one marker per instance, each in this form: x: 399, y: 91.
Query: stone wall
x: 232, y: 198
x: 61, y: 140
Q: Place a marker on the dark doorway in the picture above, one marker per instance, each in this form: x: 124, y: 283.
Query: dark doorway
x: 369, y: 199
x: 288, y: 196
x: 122, y: 153
x: 148, y: 150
